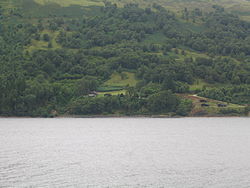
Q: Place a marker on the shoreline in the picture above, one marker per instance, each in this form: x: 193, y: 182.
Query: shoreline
x: 124, y: 116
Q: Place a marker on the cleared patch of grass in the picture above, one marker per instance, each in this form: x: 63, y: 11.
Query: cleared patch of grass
x: 37, y: 45
x: 157, y: 38
x: 117, y: 83
x: 41, y: 44
x: 121, y: 79
x: 66, y: 3
x: 188, y: 54
x: 112, y: 93
x: 7, y: 4
x: 109, y: 88
x: 212, y: 108
x: 245, y: 18
x: 53, y: 36
x: 197, y: 85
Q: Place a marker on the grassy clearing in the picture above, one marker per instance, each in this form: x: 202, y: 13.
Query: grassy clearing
x: 122, y: 79
x: 189, y: 25
x: 188, y: 54
x: 66, y: 3
x: 245, y: 18
x: 116, y: 84
x: 157, y: 38
x: 7, y: 4
x: 112, y: 93
x: 195, y: 54
x: 53, y: 36
x: 37, y: 45
x: 109, y: 88
x: 212, y: 108
x: 42, y: 45
x: 198, y: 85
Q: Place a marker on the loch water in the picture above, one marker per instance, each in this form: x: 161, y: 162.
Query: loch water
x: 125, y: 152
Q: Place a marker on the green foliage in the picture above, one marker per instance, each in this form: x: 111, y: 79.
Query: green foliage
x: 232, y: 111
x: 109, y: 88
x: 162, y: 102
x: 46, y: 37
x: 52, y: 57
x: 86, y: 106
x: 233, y: 94
x: 121, y: 79
x: 184, y: 107
x: 150, y: 89
x: 86, y: 85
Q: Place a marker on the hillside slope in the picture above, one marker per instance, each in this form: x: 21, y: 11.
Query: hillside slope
x: 93, y: 57
x: 239, y: 7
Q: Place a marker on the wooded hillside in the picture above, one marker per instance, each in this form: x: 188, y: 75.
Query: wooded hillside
x: 92, y: 57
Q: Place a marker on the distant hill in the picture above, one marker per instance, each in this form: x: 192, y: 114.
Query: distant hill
x: 239, y: 7
x: 122, y: 57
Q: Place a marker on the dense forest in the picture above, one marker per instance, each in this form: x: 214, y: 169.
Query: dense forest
x: 129, y: 60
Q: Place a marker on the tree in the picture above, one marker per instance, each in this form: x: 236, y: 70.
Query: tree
x: 86, y: 85
x: 46, y: 37
x: 184, y: 107
x: 162, y: 102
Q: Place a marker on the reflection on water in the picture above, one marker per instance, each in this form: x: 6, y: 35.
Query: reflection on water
x: 124, y: 152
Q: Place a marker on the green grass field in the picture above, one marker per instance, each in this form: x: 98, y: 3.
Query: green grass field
x: 42, y: 45
x: 157, y: 38
x: 66, y: 3
x: 213, y: 108
x: 112, y: 92
x: 122, y: 80
x: 188, y: 54
x: 197, y: 85
x: 7, y: 4
x: 117, y: 83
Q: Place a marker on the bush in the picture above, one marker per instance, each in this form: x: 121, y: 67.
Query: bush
x: 162, y: 102
x: 184, y: 107
x: 228, y: 111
